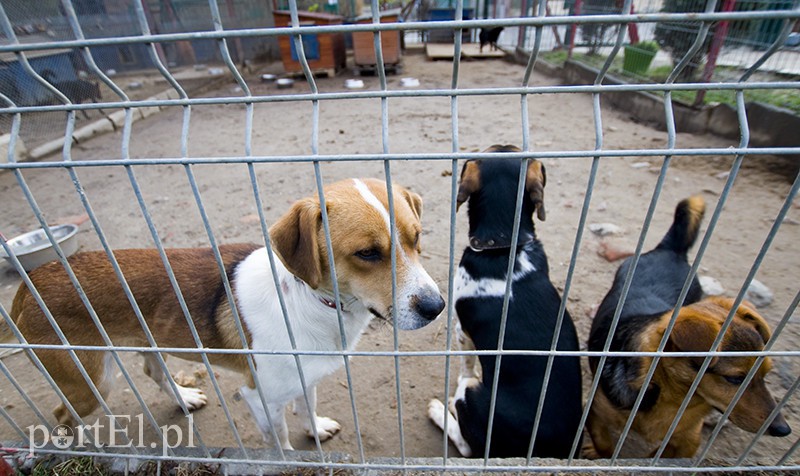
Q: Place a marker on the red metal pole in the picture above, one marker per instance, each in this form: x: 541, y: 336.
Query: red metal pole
x: 633, y: 30
x: 574, y: 28
x: 720, y: 33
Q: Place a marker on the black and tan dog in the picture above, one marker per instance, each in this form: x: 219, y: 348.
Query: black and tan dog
x: 480, y: 286
x: 653, y: 293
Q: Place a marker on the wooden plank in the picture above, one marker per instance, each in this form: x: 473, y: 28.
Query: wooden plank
x: 468, y: 50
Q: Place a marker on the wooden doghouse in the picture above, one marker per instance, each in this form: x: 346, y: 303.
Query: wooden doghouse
x: 364, y: 43
x: 325, y: 52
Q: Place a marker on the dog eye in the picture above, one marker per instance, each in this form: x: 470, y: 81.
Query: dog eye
x: 733, y: 379
x: 370, y: 254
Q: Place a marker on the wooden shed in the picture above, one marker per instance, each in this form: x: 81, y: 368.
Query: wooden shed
x: 364, y: 42
x: 325, y: 52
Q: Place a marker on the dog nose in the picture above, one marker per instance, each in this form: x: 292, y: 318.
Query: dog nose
x: 779, y: 427
x: 429, y: 305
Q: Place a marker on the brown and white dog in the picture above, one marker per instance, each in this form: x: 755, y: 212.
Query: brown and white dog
x: 360, y: 237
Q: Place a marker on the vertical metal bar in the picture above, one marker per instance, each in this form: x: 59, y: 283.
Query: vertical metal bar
x: 563, y: 306
x: 223, y: 46
x: 598, y: 127
x: 753, y: 370
x: 671, y: 139
x: 778, y: 330
x: 12, y: 325
x: 13, y: 424
x: 376, y: 20
x: 143, y: 25
x: 459, y: 15
x: 22, y: 393
x: 326, y: 227
x: 506, y: 300
x: 787, y: 204
x: 796, y: 444
x: 78, y: 32
x: 744, y: 130
x: 62, y: 258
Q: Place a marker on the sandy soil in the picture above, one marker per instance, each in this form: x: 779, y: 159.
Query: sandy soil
x: 558, y: 122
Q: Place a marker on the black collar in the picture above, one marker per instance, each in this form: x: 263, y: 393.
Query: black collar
x: 477, y: 244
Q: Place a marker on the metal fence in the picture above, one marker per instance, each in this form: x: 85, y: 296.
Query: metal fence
x: 242, y: 459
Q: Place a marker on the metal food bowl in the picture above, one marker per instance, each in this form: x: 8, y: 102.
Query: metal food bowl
x: 34, y: 249
x: 285, y: 83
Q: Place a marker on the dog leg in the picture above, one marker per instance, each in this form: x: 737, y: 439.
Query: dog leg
x: 326, y: 427
x: 601, y: 444
x: 438, y: 413
x: 73, y: 385
x: 470, y: 367
x: 684, y: 441
x: 277, y: 414
x: 193, y: 398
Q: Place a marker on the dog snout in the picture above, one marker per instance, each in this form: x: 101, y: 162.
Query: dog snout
x: 428, y: 304
x: 779, y: 427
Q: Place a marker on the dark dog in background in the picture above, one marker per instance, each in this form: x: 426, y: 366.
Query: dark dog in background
x: 654, y: 291
x: 490, y: 187
x: 490, y: 37
x: 76, y: 90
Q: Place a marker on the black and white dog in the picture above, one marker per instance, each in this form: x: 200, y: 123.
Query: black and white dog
x: 490, y: 187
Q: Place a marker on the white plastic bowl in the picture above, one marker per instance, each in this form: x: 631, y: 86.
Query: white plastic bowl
x: 33, y: 249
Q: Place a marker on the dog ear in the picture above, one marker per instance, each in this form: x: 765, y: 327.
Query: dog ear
x: 694, y: 333
x: 535, y: 180
x: 415, y: 201
x: 294, y: 238
x: 748, y: 313
x: 470, y: 182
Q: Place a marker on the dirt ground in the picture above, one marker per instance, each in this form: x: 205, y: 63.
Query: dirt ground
x: 416, y: 125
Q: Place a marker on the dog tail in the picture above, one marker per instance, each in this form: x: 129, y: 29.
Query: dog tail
x: 6, y: 334
x: 683, y: 232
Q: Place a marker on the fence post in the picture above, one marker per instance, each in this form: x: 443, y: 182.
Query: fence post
x: 523, y: 30
x: 720, y: 33
x: 574, y: 28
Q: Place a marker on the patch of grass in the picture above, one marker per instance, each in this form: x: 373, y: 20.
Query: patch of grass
x: 557, y: 57
x: 784, y: 98
x: 151, y: 468
x: 80, y: 466
x: 659, y: 74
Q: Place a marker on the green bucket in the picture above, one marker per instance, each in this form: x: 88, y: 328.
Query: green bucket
x: 637, y: 60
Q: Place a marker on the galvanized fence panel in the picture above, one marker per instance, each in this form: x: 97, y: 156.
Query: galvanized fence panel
x: 539, y: 23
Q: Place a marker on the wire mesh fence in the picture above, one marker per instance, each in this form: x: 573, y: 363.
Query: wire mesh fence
x: 215, y: 166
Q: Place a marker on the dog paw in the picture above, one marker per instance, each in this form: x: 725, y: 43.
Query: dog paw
x: 589, y: 451
x: 326, y: 428
x: 193, y: 398
x: 436, y: 412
